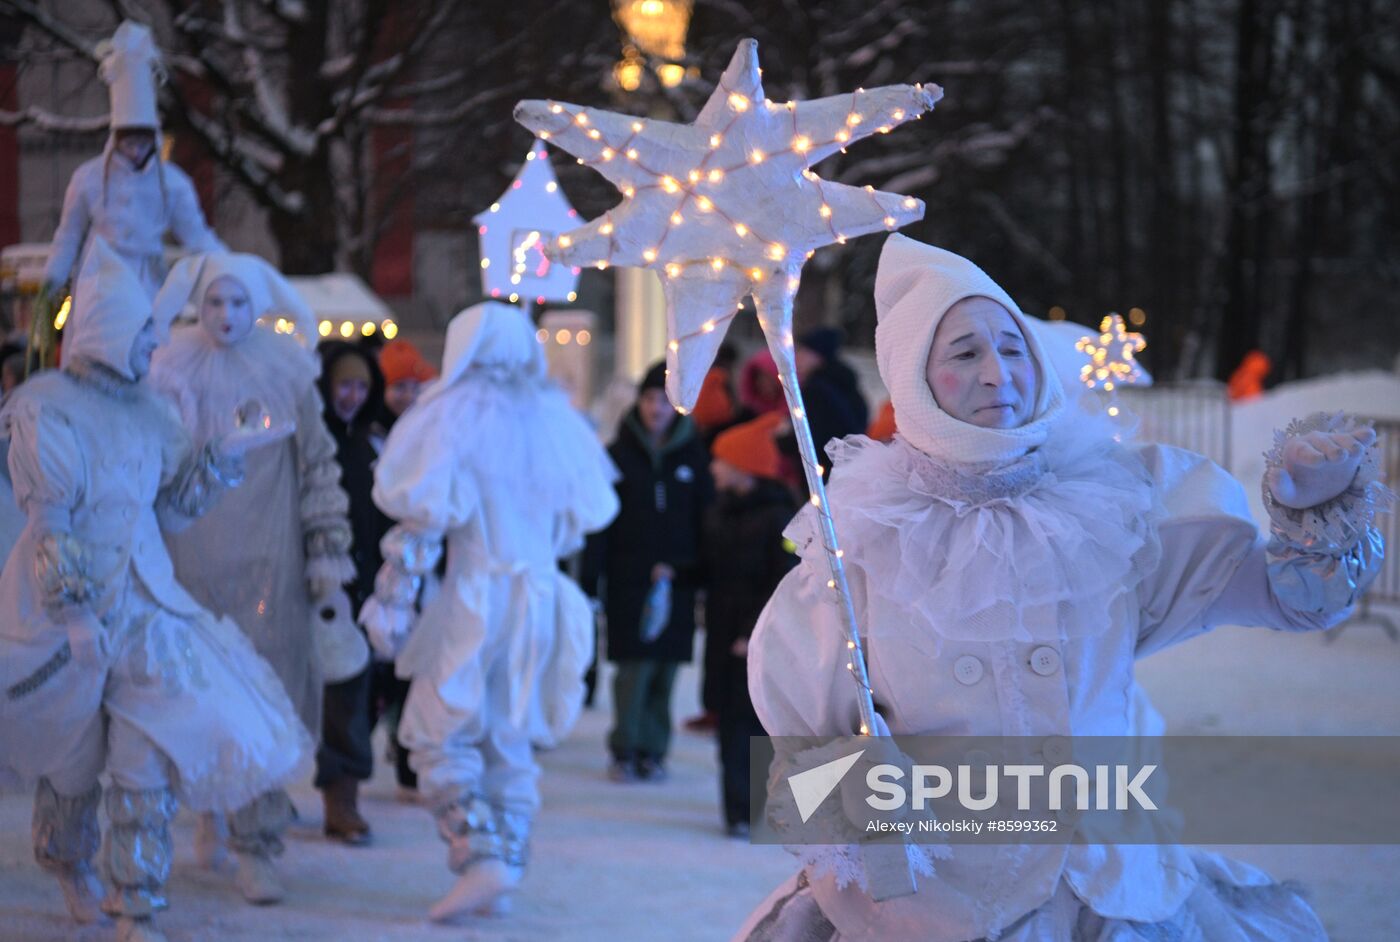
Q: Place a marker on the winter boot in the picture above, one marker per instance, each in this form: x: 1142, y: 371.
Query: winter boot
x: 257, y: 879
x: 210, y: 837
x: 138, y: 929
x: 343, y: 820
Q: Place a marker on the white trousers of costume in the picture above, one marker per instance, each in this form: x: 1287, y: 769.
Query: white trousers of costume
x: 175, y: 709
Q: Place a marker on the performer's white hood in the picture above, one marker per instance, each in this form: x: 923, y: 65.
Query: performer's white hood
x: 489, y: 334
x: 110, y: 307
x: 268, y: 290
x: 914, y: 287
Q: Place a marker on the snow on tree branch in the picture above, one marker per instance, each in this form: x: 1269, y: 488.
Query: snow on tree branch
x: 48, y: 121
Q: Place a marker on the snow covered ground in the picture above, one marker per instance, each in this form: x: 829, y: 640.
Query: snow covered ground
x: 642, y: 862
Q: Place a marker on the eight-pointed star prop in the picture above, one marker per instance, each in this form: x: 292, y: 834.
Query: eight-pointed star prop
x: 727, y: 206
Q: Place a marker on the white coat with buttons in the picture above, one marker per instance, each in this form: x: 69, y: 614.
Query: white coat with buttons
x: 1211, y: 566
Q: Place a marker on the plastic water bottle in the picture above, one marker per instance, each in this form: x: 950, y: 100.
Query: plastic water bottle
x: 656, y: 613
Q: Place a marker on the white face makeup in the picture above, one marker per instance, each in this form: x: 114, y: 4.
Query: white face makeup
x: 980, y: 368
x: 142, y: 347
x: 226, y: 313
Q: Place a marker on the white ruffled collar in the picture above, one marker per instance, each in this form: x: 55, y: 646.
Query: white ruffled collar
x: 1046, y: 547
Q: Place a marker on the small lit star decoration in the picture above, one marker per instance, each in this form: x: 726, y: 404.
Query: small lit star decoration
x: 514, y: 231
x: 1112, y: 360
x: 728, y: 207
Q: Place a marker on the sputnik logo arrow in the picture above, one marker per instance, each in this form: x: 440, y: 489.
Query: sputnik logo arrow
x: 810, y: 788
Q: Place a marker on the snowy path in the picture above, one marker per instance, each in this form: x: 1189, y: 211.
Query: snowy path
x: 645, y: 862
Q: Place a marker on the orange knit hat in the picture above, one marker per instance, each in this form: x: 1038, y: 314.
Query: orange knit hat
x: 751, y: 447
x: 400, y: 360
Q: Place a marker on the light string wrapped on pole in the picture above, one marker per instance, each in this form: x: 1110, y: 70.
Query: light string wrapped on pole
x: 725, y: 208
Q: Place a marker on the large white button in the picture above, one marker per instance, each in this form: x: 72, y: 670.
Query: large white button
x: 1045, y: 661
x: 967, y: 669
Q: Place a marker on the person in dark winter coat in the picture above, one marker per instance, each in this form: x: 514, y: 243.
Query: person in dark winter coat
x: 830, y: 391
x: 744, y: 560
x: 353, y: 390
x: 664, y: 490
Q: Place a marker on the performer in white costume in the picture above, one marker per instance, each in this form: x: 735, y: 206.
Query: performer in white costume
x: 1010, y: 560
x: 293, y: 538
x: 105, y: 661
x: 128, y: 195
x: 492, y: 456
x: 284, y: 531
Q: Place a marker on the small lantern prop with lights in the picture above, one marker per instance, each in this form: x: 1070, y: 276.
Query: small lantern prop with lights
x: 1112, y: 360
x: 513, y: 234
x: 726, y: 208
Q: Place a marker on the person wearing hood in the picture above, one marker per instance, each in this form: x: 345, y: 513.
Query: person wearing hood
x: 831, y: 393
x: 352, y: 389
x: 128, y: 194
x: 664, y: 490
x: 493, y: 459
x: 1010, y: 559
x: 290, y: 515
x: 107, y: 662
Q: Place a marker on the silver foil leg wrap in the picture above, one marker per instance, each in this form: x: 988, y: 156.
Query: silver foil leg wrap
x: 65, y: 829
x: 137, y: 852
x: 475, y: 830
x: 257, y: 827
x: 514, y: 829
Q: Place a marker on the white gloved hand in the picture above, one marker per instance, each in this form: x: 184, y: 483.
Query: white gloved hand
x: 880, y: 749
x: 1318, y: 466
x: 387, y: 627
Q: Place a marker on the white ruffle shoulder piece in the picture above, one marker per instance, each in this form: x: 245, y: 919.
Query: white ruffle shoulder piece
x: 1044, y: 548
x: 493, y: 429
x: 208, y: 380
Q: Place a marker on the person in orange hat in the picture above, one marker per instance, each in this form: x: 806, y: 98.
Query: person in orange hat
x: 405, y: 373
x: 882, y: 428
x: 744, y: 560
x: 1248, y: 379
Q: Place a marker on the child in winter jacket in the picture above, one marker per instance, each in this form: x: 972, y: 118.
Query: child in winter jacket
x: 745, y: 559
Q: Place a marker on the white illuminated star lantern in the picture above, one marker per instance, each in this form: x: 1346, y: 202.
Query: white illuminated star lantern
x: 728, y: 206
x: 1112, y: 357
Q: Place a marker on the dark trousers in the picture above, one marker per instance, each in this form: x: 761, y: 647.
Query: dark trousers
x: 642, y: 709
x: 350, y: 710
x: 737, y: 722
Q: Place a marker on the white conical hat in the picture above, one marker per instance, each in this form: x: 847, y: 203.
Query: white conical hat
x: 130, y: 65
x: 110, y: 306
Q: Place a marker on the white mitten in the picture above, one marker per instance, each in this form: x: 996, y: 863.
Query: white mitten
x: 880, y: 749
x: 387, y: 626
x: 1318, y: 466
